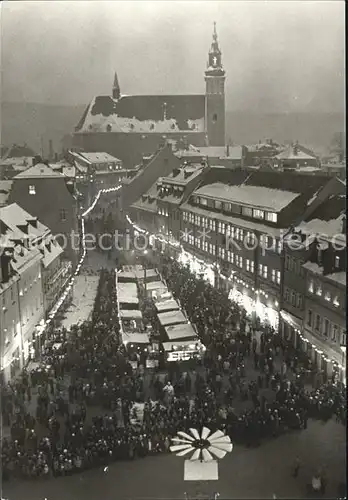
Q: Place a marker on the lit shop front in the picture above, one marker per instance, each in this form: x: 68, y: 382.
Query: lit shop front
x: 255, y: 307
x: 197, y: 266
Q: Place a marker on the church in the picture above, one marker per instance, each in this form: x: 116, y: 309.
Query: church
x: 130, y: 127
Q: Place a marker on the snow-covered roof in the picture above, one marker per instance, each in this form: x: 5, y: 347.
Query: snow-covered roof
x: 127, y: 293
x: 294, y: 153
x: 184, y: 175
x: 324, y: 228
x: 101, y: 157
x: 148, y: 114
x: 339, y: 277
x: 182, y: 331
x: 255, y: 196
x: 135, y: 338
x: 233, y: 153
x: 14, y: 216
x: 167, y: 305
x: 172, y: 318
x: 24, y: 258
x: 51, y: 250
x: 22, y: 162
x: 39, y: 171
x: 130, y: 314
x: 155, y: 285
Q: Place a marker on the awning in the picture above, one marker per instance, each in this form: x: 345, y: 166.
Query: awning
x: 183, y: 331
x: 167, y: 305
x: 172, y: 318
x: 130, y: 314
x: 170, y: 346
x: 135, y: 338
x: 296, y: 323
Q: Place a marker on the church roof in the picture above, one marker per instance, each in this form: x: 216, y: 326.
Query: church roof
x: 157, y: 114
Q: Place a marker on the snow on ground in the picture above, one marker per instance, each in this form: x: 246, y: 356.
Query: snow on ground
x: 84, y: 293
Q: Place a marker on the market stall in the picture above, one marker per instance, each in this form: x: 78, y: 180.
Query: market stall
x: 172, y: 318
x: 167, y: 305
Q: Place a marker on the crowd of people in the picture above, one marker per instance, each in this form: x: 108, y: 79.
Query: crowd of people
x: 89, y: 367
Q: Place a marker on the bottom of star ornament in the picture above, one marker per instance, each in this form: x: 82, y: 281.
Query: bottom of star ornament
x: 201, y: 471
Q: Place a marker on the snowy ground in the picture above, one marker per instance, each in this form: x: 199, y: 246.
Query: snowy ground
x: 85, y: 290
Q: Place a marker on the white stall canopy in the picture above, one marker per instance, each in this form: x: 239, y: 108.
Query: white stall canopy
x: 149, y: 273
x: 130, y: 314
x: 127, y: 293
x: 184, y: 331
x: 167, y: 305
x: 135, y: 338
x: 126, y: 275
x: 172, y: 318
x: 156, y: 286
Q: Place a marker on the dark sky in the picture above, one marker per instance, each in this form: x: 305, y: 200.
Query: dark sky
x: 280, y: 56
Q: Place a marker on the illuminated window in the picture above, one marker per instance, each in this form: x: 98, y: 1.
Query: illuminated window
x: 203, y: 201
x: 336, y: 302
x: 278, y: 278
x: 273, y: 277
x: 319, y: 291
x: 337, y: 262
x: 258, y: 214
x: 311, y: 287
x: 327, y: 296
x: 32, y: 189
x: 218, y: 205
x: 271, y: 216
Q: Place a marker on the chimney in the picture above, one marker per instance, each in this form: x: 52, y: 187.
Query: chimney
x: 5, y: 267
x: 228, y: 150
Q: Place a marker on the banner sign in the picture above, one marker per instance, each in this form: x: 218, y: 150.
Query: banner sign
x: 181, y: 355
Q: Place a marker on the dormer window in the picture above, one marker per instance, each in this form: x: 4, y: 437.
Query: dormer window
x: 336, y: 302
x: 271, y: 217
x: 258, y: 214
x: 319, y: 291
x: 32, y: 189
x: 327, y: 296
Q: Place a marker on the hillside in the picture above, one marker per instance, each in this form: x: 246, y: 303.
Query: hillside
x: 27, y: 123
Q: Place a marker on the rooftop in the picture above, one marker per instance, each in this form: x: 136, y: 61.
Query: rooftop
x: 296, y: 152
x: 16, y: 219
x: 150, y: 114
x: 256, y: 196
x: 99, y: 157
x: 339, y: 277
x: 39, y: 171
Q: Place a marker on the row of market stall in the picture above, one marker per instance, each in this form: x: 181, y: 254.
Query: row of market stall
x: 174, y: 335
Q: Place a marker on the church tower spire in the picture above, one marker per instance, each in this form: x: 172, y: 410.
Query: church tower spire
x: 116, y: 92
x: 215, y: 94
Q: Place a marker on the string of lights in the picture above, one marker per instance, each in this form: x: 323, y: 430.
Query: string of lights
x: 233, y: 278
x: 40, y: 329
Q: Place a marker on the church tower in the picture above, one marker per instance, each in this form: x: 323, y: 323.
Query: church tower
x: 116, y: 92
x: 215, y: 95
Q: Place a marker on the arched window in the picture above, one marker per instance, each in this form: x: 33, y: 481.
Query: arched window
x: 214, y: 118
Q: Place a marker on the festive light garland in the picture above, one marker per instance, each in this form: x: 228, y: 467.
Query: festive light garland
x: 41, y: 329
x: 231, y: 278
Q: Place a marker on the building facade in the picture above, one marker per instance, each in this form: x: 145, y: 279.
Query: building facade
x: 32, y: 278
x: 49, y: 196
